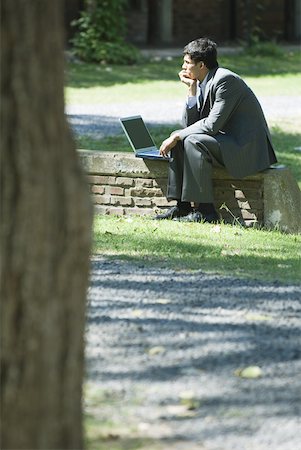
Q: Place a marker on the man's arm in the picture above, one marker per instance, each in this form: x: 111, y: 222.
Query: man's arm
x: 169, y: 143
x: 229, y: 92
x: 190, y: 116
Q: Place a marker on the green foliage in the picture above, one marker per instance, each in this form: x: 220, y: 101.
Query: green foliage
x: 257, y: 47
x: 100, y: 33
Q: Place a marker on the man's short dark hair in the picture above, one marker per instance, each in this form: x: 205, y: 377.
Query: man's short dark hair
x: 202, y: 49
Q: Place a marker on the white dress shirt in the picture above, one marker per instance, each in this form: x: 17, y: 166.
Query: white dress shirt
x: 192, y: 101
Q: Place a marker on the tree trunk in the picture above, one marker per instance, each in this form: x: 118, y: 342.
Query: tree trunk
x: 45, y: 236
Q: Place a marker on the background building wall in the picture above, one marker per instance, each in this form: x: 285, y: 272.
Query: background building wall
x: 225, y: 21
x: 176, y: 22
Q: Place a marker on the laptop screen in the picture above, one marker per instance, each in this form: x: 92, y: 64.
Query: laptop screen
x: 137, y: 132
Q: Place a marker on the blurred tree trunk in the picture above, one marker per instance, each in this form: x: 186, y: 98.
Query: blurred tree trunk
x: 160, y: 18
x: 45, y: 236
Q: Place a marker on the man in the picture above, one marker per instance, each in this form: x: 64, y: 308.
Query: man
x: 224, y: 125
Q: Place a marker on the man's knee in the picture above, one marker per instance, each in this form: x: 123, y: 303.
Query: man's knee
x: 194, y: 140
x: 195, y: 147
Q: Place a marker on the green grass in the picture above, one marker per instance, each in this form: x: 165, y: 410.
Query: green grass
x: 224, y: 249
x: 92, y: 83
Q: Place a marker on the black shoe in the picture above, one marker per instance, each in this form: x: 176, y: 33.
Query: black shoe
x: 194, y: 216
x: 211, y: 218
x: 197, y: 216
x: 172, y: 213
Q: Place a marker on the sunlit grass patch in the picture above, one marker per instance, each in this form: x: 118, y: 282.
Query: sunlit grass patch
x: 153, y: 80
x: 222, y: 249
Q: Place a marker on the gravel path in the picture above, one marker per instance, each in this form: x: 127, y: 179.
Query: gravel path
x: 164, y: 347
x: 102, y: 120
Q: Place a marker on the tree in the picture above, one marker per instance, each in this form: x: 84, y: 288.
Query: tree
x: 45, y: 236
x: 100, y: 35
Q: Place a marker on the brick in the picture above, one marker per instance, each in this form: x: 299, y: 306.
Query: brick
x: 104, y: 179
x: 114, y: 190
x: 237, y: 184
x: 144, y: 182
x: 142, y: 201
x: 102, y: 199
x: 163, y: 202
x: 116, y: 211
x: 225, y: 194
x: 121, y: 201
x: 249, y: 215
x: 101, y: 179
x: 96, y: 189
x: 244, y: 203
x: 94, y: 179
x: 248, y: 194
x: 138, y: 211
x: 101, y: 210
x: 145, y: 192
x: 160, y: 182
x: 124, y: 181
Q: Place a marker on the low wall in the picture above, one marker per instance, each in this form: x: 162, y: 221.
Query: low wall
x: 122, y: 184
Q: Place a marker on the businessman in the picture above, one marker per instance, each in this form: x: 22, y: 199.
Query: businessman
x: 223, y: 126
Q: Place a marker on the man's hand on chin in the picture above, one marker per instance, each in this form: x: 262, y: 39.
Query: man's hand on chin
x: 169, y: 144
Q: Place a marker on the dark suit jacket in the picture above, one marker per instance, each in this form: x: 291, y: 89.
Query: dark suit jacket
x: 232, y: 114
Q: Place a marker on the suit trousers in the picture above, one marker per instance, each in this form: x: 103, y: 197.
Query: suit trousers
x: 190, y: 168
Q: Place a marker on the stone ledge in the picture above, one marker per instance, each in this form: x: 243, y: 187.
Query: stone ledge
x: 127, y: 165
x: 271, y: 198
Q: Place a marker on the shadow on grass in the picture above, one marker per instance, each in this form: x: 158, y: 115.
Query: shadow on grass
x: 219, y: 258
x: 81, y: 75
x: 286, y: 145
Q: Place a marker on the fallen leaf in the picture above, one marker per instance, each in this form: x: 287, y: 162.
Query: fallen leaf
x: 230, y: 252
x: 180, y: 411
x: 257, y: 317
x: 189, y: 400
x: 162, y: 301
x: 249, y: 372
x: 137, y: 312
x: 156, y: 350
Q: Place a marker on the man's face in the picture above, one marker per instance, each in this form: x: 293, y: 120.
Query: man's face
x: 192, y: 70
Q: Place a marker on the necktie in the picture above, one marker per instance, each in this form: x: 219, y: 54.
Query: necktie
x: 200, y: 98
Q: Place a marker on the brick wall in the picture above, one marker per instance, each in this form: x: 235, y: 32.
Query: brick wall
x: 123, y: 195
x: 122, y: 184
x: 196, y: 18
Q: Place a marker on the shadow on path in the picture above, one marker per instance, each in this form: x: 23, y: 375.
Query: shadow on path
x: 153, y: 334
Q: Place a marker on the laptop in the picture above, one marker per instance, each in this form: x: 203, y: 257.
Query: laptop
x: 140, y: 138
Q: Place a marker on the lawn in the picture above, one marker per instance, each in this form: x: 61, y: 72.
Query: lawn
x: 92, y: 83
x: 224, y: 249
